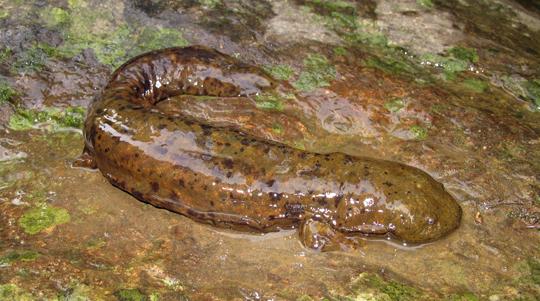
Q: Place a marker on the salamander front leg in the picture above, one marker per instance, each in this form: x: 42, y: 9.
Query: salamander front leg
x: 321, y: 236
x: 85, y: 160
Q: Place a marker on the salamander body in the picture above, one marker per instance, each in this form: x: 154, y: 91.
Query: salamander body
x: 225, y: 177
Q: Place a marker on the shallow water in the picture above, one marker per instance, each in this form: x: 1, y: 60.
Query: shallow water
x: 472, y: 124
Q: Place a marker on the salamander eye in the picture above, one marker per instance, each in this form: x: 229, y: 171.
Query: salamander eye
x: 430, y: 221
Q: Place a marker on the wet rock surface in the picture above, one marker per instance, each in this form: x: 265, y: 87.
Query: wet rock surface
x: 450, y: 87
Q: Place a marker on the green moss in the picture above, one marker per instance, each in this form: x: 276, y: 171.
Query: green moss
x: 12, y: 292
x: 475, y: 85
x: 25, y: 255
x: 304, y: 298
x: 533, y: 91
x: 34, y: 58
x: 280, y: 72
x: 6, y: 92
x: 332, y: 5
x: 84, y: 26
x: 425, y: 3
x: 55, y: 17
x: 130, y: 294
x: 534, y: 269
x: 209, y: 3
x: 394, y: 105
x: 340, y: 51
x: 39, y: 219
x: 385, y: 290
x: 455, y: 60
x: 269, y: 101
x: 390, y: 65
x: 528, y: 90
x: 342, y: 22
x: 372, y: 287
x: 277, y: 128
x: 5, y: 54
x: 464, y: 53
x: 152, y: 38
x: 54, y: 118
x: 419, y: 132
x: 3, y: 14
x: 317, y: 73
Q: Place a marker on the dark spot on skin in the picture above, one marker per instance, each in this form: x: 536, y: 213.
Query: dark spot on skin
x: 227, y: 144
x: 244, y: 141
x: 188, y: 122
x: 181, y: 183
x: 137, y: 194
x: 241, y: 149
x: 155, y: 186
x: 229, y: 174
x: 385, y: 172
x: 327, y: 157
x: 136, y: 155
x: 270, y: 183
x: 293, y: 209
x: 212, y: 203
x: 207, y: 130
x: 388, y: 184
x: 228, y: 163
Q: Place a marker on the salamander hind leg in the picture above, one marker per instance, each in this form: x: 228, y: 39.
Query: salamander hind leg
x: 321, y: 236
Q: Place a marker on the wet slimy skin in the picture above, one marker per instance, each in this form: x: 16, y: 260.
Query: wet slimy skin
x: 227, y: 178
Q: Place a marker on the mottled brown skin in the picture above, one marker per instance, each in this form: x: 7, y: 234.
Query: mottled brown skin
x: 228, y: 178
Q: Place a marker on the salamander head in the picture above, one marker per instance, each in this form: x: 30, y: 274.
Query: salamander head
x: 416, y: 215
